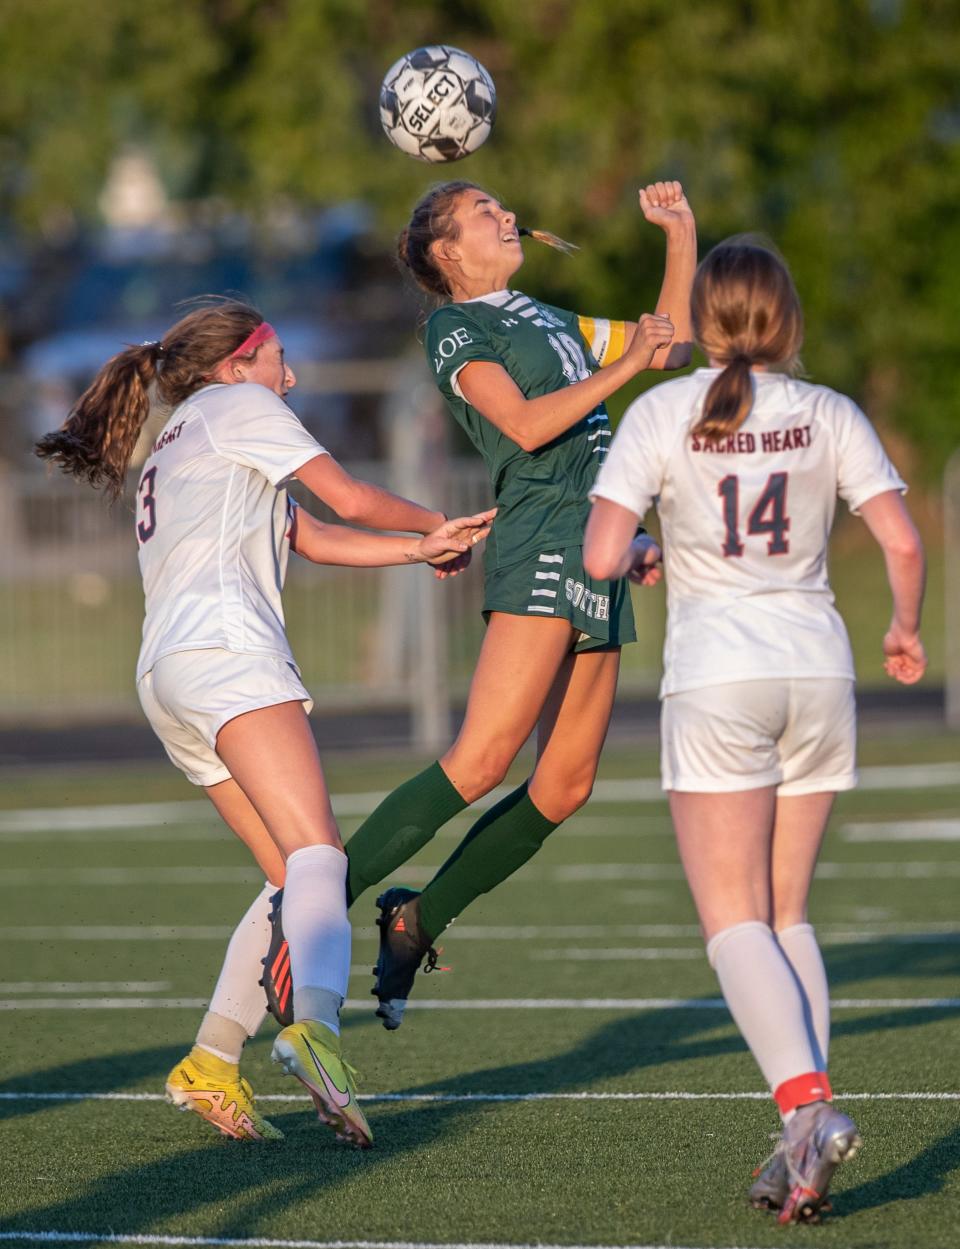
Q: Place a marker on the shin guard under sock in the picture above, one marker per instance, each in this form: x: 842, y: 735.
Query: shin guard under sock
x: 403, y: 823
x: 501, y: 841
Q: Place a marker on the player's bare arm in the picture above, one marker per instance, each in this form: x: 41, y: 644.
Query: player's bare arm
x: 323, y: 543
x: 532, y: 423
x: 363, y: 503
x: 612, y: 548
x: 889, y: 521
x: 665, y: 205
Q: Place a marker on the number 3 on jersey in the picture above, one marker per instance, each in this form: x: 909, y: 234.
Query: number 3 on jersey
x: 769, y: 515
x: 147, y: 526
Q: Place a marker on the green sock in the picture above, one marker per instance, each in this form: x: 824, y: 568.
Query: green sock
x: 500, y: 842
x: 403, y: 822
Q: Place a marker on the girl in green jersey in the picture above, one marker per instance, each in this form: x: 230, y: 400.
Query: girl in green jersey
x: 528, y: 383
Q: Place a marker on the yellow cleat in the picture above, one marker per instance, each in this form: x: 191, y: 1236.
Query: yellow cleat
x: 213, y: 1089
x: 311, y: 1052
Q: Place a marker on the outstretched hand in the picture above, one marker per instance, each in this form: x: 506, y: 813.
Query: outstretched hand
x: 449, y: 547
x: 664, y: 204
x: 906, y: 660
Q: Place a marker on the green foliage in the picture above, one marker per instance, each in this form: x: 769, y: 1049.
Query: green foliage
x: 832, y: 128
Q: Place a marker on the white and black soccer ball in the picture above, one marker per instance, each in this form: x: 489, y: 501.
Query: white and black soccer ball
x: 437, y: 104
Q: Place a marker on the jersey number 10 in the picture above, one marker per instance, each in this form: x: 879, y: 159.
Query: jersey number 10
x: 769, y: 515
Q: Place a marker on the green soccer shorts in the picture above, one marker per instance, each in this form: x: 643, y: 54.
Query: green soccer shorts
x: 553, y: 584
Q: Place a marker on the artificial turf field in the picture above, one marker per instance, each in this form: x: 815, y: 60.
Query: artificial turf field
x: 573, y: 1081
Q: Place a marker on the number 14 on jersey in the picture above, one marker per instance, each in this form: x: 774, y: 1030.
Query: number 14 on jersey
x: 768, y: 515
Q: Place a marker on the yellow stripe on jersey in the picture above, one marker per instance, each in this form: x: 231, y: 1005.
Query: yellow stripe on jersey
x: 618, y: 341
x: 606, y: 339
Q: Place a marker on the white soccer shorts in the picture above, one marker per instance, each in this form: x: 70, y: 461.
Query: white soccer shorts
x: 190, y: 695
x: 799, y: 735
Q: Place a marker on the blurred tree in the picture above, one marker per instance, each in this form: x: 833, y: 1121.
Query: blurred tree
x: 833, y: 128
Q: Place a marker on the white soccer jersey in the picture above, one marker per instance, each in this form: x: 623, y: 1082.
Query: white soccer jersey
x: 213, y: 523
x: 745, y: 524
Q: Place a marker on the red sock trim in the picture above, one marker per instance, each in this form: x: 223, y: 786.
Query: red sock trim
x: 812, y: 1086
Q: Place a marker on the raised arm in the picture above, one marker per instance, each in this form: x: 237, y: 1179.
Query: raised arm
x: 362, y: 502
x: 532, y: 423
x: 889, y: 521
x: 665, y: 205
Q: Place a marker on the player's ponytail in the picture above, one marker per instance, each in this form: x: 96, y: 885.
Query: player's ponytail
x: 551, y: 240
x: 745, y: 312
x: 96, y: 441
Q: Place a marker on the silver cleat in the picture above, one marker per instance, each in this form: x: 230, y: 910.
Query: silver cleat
x: 815, y: 1141
x: 771, y: 1185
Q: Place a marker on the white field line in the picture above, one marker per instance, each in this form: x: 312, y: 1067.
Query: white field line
x: 17, y: 877
x: 903, y: 830
x: 159, y: 814
x: 198, y: 1242
x: 209, y: 829
x: 925, y: 933
x: 84, y: 986
x: 867, y: 931
x: 104, y: 1003
x: 639, y: 789
x: 124, y: 835
x: 641, y: 953
x: 910, y: 776
x: 633, y: 825
x: 670, y: 1096
x: 453, y: 1004
x: 570, y: 873
x: 915, y: 870
x: 117, y: 932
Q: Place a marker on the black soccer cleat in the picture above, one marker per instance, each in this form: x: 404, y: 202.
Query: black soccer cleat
x: 403, y: 947
x: 276, y: 979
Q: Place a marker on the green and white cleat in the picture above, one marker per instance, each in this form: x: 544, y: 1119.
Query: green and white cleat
x: 311, y: 1052
x: 815, y: 1142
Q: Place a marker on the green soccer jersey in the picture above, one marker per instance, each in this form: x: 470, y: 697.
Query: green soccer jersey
x: 542, y: 495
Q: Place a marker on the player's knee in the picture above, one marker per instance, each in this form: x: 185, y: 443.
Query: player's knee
x: 480, y: 774
x: 566, y: 796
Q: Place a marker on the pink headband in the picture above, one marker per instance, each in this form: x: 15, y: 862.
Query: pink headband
x: 249, y: 345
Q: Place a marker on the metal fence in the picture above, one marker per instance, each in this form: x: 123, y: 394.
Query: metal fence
x: 71, y: 603
x: 72, y: 608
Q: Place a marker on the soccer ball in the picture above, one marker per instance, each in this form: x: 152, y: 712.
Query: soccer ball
x: 437, y: 104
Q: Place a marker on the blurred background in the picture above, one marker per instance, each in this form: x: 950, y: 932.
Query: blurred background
x: 150, y: 155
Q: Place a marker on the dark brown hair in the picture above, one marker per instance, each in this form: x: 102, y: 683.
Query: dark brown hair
x: 432, y: 219
x: 97, y: 439
x: 745, y: 311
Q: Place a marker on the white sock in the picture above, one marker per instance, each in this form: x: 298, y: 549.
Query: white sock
x: 224, y: 1038
x: 317, y: 929
x: 239, y: 995
x: 800, y: 948
x: 766, y: 1004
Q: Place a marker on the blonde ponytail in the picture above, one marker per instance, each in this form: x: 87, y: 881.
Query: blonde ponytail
x: 551, y: 240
